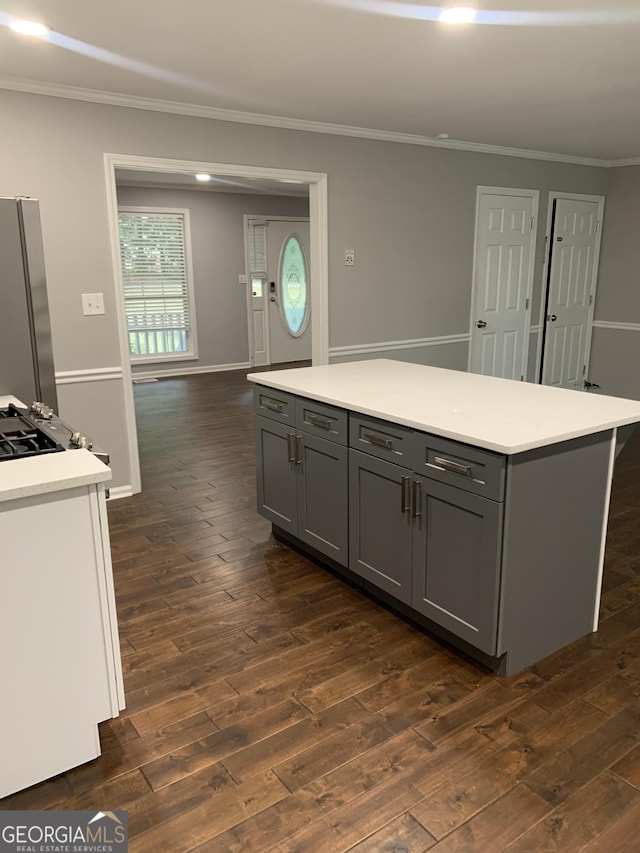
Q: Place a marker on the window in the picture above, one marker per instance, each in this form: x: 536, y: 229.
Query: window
x: 293, y: 286
x: 158, y: 298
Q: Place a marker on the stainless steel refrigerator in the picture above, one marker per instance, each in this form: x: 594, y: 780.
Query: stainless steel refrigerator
x: 26, y: 354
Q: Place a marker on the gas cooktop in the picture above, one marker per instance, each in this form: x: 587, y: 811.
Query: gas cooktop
x: 21, y: 437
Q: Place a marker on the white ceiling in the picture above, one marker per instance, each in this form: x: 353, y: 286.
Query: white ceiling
x: 564, y: 78
x: 227, y: 184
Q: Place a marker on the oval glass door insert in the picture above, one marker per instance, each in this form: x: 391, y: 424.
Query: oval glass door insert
x: 294, y: 289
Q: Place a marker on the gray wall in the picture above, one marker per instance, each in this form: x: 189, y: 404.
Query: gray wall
x: 615, y: 353
x: 408, y: 211
x: 217, y: 249
x: 618, y: 296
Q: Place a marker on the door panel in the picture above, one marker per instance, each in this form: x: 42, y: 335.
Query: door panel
x: 380, y: 543
x: 572, y: 277
x: 285, y: 346
x: 277, y: 487
x: 503, y: 277
x: 457, y: 562
x: 323, y: 496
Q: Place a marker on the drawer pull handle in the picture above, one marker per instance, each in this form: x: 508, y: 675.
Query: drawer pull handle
x: 416, y: 499
x: 404, y: 495
x: 450, y: 465
x: 378, y: 440
x: 298, y: 450
x: 291, y: 446
x: 316, y: 420
x: 273, y: 405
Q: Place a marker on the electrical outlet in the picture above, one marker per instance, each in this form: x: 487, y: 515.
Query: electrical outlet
x: 92, y: 303
x: 349, y: 257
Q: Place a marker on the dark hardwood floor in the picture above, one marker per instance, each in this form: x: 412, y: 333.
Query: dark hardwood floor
x: 270, y: 706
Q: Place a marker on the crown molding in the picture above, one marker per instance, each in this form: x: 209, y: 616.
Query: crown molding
x: 97, y: 96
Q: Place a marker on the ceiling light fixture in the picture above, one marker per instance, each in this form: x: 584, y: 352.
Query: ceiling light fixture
x: 29, y: 28
x: 458, y: 15
x: 203, y: 178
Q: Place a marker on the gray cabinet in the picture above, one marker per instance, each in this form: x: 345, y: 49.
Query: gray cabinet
x: 323, y: 490
x: 276, y: 473
x: 456, y: 561
x: 302, y: 478
x: 380, y: 529
x: 500, y: 554
x: 432, y: 546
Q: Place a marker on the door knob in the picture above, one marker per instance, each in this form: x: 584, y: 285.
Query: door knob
x: 552, y: 317
x: 481, y: 324
x: 273, y: 299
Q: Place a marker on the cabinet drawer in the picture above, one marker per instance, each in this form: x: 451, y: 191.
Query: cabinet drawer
x: 324, y: 421
x: 470, y: 468
x: 381, y: 438
x: 277, y: 405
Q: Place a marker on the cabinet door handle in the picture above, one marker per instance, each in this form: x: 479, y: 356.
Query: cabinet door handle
x: 378, y: 440
x: 291, y: 447
x: 273, y: 405
x: 416, y: 499
x: 298, y: 459
x: 404, y: 494
x: 450, y: 465
x: 316, y: 420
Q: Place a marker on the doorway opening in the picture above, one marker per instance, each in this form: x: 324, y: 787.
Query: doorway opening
x: 318, y: 256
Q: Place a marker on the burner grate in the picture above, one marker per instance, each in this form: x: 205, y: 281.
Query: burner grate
x: 20, y: 438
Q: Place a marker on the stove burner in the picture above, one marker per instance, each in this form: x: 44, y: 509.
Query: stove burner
x: 19, y: 437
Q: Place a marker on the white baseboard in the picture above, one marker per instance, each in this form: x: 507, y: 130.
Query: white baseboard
x: 188, y: 371
x: 117, y: 492
x: 390, y: 346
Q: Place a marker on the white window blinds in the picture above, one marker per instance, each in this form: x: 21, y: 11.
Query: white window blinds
x: 156, y: 287
x: 258, y: 246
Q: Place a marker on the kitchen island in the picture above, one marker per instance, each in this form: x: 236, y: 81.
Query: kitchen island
x: 61, y: 669
x: 475, y: 506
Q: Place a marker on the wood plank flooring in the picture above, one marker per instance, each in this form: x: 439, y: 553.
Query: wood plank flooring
x: 272, y: 707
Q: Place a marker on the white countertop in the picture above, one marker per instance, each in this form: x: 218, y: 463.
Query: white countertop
x: 497, y: 414
x: 52, y: 472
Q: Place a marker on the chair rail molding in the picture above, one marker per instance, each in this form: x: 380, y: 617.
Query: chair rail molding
x: 92, y: 374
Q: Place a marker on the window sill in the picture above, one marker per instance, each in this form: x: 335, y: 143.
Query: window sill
x: 162, y: 358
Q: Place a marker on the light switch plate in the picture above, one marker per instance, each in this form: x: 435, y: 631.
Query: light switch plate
x: 92, y: 303
x: 242, y: 279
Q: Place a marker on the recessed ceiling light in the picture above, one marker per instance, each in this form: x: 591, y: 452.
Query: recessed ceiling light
x: 29, y: 28
x: 203, y: 178
x: 458, y: 15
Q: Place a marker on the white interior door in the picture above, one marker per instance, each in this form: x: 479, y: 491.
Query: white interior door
x: 288, y: 290
x: 503, y: 278
x: 573, y: 270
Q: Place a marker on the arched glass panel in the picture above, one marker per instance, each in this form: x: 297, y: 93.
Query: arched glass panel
x: 294, y: 289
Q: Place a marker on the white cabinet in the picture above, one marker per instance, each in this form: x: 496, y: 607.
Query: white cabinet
x: 61, y: 669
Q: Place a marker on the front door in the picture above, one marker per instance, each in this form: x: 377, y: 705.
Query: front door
x: 288, y: 290
x: 503, y: 278
x: 573, y: 269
